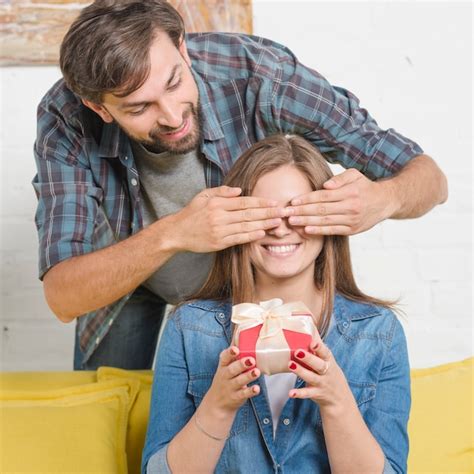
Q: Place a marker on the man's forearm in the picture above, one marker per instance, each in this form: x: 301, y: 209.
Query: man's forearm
x: 416, y: 189
x: 88, y: 282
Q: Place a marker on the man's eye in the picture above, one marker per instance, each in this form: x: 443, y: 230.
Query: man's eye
x: 138, y: 112
x: 175, y: 85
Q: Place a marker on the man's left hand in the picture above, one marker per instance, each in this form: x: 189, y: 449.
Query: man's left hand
x: 350, y: 203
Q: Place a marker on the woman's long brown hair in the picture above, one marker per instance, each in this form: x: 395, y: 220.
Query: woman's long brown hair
x: 232, y: 276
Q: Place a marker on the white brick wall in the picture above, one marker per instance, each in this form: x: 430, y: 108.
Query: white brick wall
x: 409, y: 63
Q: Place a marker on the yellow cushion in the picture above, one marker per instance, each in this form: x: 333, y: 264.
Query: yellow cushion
x: 35, y: 381
x: 138, y: 419
x: 441, y: 421
x: 74, y: 429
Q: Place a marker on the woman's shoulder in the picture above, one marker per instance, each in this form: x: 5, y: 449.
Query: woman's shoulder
x: 359, y: 317
x: 200, y: 312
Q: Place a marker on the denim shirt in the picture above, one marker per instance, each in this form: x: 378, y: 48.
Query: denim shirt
x: 367, y: 342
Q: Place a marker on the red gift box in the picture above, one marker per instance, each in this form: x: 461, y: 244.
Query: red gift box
x: 272, y: 332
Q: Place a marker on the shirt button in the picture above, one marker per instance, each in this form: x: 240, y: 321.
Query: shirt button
x: 345, y: 324
x: 126, y: 157
x: 110, y: 322
x: 266, y: 421
x: 134, y: 182
x: 221, y: 315
x: 97, y: 341
x: 286, y: 421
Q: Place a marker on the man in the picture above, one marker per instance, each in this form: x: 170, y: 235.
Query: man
x: 131, y: 150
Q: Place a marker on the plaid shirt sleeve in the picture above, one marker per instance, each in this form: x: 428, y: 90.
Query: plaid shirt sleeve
x: 303, y: 102
x: 67, y: 197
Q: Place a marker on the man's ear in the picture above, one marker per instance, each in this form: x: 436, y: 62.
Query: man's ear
x: 99, y: 110
x: 183, y: 50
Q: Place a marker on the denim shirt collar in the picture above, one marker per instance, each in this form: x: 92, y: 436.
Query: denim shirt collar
x: 345, y: 312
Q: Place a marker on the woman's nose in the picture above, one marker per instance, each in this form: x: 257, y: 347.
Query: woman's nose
x: 282, y: 230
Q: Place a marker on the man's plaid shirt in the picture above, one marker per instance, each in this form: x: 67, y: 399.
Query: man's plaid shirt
x: 87, y: 183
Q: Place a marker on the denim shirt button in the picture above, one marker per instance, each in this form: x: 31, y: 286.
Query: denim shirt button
x: 221, y: 315
x: 134, y: 182
x: 286, y: 421
x: 345, y: 324
x: 266, y: 421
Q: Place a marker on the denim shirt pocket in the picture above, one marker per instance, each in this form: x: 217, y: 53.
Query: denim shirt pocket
x: 363, y: 393
x: 199, y: 385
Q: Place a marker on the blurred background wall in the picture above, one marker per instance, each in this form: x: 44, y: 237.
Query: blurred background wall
x: 410, y: 63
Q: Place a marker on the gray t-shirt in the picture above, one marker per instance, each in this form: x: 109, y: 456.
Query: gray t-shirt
x: 168, y: 183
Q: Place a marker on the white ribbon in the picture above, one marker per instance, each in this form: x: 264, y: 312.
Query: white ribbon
x: 272, y: 351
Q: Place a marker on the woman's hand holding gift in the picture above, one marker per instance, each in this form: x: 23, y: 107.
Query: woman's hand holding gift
x: 326, y: 383
x: 229, y: 389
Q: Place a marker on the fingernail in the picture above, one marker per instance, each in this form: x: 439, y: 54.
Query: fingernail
x: 276, y: 221
x: 233, y: 351
x: 296, y: 202
x: 248, y: 363
x: 292, y: 394
x: 254, y: 373
x: 293, y: 366
x: 300, y: 354
x: 315, y: 346
x: 294, y: 220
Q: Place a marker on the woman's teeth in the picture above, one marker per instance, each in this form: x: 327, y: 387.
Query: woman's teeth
x: 281, y: 248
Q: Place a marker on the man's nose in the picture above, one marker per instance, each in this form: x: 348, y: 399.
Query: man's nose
x: 170, y: 114
x: 282, y: 230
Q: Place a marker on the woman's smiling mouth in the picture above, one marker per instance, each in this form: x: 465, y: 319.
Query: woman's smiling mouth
x: 281, y: 249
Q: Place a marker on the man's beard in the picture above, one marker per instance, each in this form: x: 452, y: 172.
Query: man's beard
x: 188, y: 143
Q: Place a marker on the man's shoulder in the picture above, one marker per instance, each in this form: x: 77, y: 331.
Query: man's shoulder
x: 61, y: 105
x: 220, y: 55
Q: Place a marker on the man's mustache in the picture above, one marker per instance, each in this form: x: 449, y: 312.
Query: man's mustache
x: 159, y: 129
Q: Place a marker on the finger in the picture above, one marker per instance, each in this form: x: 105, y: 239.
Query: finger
x: 240, y: 239
x: 247, y: 202
x: 312, y: 361
x: 305, y: 392
x: 330, y: 230
x: 348, y: 176
x: 307, y: 375
x: 345, y: 206
x: 221, y: 191
x: 255, y: 214
x: 249, y: 392
x: 323, y: 221
x: 242, y: 380
x: 323, y: 352
x: 238, y: 366
x: 228, y: 355
x: 244, y: 227
x: 322, y: 195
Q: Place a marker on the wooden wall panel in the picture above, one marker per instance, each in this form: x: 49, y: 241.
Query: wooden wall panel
x: 31, y: 30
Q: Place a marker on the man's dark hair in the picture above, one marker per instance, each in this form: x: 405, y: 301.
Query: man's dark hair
x: 106, y: 49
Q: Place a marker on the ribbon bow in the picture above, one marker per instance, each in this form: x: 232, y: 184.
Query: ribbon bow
x: 271, y: 349
x: 273, y: 314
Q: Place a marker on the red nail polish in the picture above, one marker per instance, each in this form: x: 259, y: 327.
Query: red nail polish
x: 293, y: 366
x: 248, y: 363
x: 300, y: 354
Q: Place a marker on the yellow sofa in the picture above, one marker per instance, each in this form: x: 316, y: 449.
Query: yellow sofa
x: 58, y: 422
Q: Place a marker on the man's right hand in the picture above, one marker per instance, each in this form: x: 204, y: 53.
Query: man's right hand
x: 219, y: 217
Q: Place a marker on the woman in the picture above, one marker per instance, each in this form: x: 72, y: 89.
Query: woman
x: 213, y: 412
